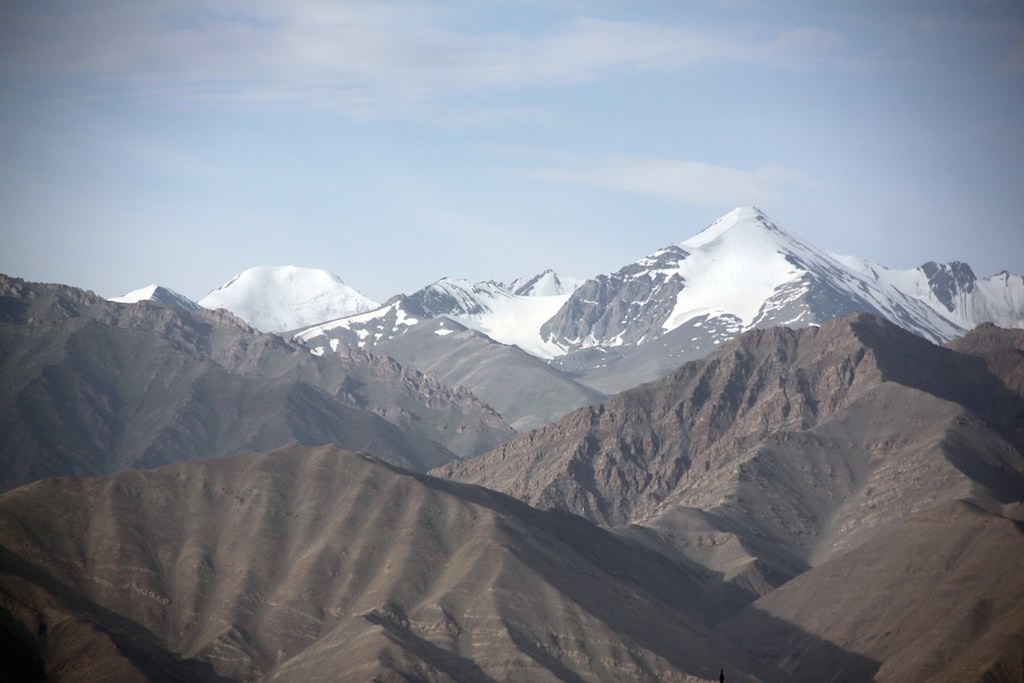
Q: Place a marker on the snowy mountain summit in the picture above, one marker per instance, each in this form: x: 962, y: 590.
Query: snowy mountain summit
x: 158, y: 294
x: 741, y: 272
x: 275, y: 299
x: 681, y: 302
x: 617, y: 330
x: 548, y: 283
x: 954, y: 292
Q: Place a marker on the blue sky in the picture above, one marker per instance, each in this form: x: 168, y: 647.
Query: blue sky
x: 395, y: 143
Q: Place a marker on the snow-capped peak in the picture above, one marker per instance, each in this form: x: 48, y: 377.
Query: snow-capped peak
x: 740, y: 272
x: 736, y: 264
x: 159, y: 294
x: 681, y: 301
x: 548, y: 283
x: 136, y: 295
x: 953, y: 291
x: 744, y: 223
x: 274, y: 299
x: 492, y: 309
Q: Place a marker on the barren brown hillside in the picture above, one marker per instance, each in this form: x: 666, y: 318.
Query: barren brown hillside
x: 778, y: 461
x: 88, y: 386
x: 323, y: 565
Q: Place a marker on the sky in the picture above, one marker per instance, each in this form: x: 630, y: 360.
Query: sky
x: 395, y: 143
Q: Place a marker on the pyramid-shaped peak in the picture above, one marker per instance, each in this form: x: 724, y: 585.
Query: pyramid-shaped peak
x: 745, y: 222
x: 548, y: 283
x: 141, y: 294
x: 158, y: 294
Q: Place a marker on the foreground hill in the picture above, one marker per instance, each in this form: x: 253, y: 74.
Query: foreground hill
x: 789, y: 459
x: 88, y: 386
x: 939, y: 597
x: 322, y: 565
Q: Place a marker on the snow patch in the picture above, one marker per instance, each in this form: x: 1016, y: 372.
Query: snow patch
x: 143, y: 294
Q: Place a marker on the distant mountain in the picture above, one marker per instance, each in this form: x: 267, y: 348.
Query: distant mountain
x: 322, y: 565
x: 158, y: 294
x: 681, y: 302
x: 523, y: 389
x: 789, y: 459
x: 480, y: 335
x: 88, y: 387
x: 955, y: 292
x: 487, y: 307
x: 276, y: 299
x: 548, y: 283
x: 741, y: 272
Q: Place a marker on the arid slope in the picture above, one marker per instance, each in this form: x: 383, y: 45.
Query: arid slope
x: 88, y: 386
x: 789, y: 459
x: 323, y: 565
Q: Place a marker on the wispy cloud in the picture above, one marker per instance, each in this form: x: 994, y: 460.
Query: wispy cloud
x: 689, y: 182
x: 359, y: 57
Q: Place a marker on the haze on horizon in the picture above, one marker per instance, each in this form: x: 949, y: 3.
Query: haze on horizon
x: 397, y: 143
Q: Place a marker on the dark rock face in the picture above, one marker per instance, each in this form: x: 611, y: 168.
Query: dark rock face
x: 949, y: 280
x: 628, y: 305
x: 89, y: 387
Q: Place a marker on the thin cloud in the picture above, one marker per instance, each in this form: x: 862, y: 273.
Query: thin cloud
x: 689, y: 182
x: 362, y: 58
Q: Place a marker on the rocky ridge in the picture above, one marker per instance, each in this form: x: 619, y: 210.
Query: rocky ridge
x: 317, y: 564
x: 785, y: 450
x: 90, y: 386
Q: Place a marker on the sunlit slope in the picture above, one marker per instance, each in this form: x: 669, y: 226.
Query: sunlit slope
x: 306, y: 565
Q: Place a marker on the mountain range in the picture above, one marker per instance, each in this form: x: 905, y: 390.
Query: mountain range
x: 617, y: 330
x: 816, y: 471
x: 813, y: 471
x: 90, y: 387
x: 323, y: 565
x: 843, y: 502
